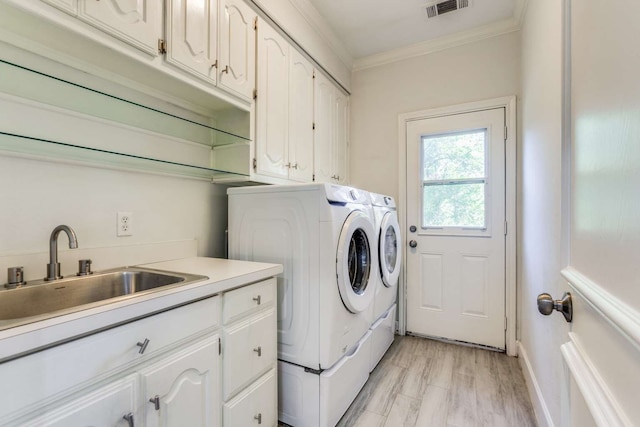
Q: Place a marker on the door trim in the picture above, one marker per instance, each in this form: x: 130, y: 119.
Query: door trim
x: 509, y: 104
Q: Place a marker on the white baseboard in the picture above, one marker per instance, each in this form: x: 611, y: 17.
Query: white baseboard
x: 539, y: 405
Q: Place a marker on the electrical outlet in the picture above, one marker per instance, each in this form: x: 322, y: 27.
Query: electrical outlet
x: 125, y: 224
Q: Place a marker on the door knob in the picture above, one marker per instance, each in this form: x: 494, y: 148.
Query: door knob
x: 412, y: 229
x: 546, y: 305
x: 413, y: 243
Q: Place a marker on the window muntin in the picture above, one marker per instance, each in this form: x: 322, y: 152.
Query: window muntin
x: 454, y: 180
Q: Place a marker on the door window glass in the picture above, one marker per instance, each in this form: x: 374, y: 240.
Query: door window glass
x: 359, y: 261
x: 454, y: 179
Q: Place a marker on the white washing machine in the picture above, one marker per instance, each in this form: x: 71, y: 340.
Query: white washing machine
x: 324, y: 237
x: 389, y: 259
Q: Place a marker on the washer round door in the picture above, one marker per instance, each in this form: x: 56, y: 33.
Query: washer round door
x: 354, y: 263
x: 389, y: 250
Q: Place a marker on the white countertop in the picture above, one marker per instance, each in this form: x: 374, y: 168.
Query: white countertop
x: 223, y: 275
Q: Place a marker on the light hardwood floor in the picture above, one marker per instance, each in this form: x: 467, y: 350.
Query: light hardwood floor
x: 422, y: 382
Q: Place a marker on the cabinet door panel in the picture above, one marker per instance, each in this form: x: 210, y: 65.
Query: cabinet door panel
x: 300, y: 118
x: 249, y: 351
x: 237, y: 48
x: 324, y: 120
x: 192, y: 36
x: 137, y: 22
x: 255, y: 405
x: 341, y: 139
x: 104, y: 407
x: 187, y: 385
x: 272, y: 104
x: 70, y: 6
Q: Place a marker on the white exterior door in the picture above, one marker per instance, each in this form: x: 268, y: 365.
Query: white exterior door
x: 456, y: 209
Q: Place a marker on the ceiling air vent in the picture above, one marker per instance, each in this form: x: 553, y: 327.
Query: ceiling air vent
x: 446, y: 6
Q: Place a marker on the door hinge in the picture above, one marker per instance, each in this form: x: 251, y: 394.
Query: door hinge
x: 255, y: 163
x: 219, y: 346
x: 255, y: 23
x: 505, y: 133
x: 506, y: 227
x: 162, y: 46
x: 255, y: 94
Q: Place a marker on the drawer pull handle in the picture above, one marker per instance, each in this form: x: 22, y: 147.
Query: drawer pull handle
x: 258, y: 417
x: 257, y: 299
x: 156, y: 402
x: 129, y: 418
x: 143, y: 345
x: 258, y: 350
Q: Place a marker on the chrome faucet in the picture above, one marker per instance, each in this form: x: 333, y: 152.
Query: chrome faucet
x: 53, y: 268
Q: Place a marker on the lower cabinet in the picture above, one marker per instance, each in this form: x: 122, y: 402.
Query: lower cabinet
x: 192, y: 370
x: 183, y: 389
x: 111, y: 405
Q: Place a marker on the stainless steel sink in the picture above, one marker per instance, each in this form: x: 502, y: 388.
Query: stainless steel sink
x: 39, y: 300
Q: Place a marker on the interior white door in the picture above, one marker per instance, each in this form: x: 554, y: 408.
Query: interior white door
x: 456, y: 209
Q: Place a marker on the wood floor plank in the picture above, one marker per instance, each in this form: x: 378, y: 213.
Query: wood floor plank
x: 464, y: 360
x: 433, y: 410
x: 414, y: 382
x: 368, y: 419
x: 462, y: 410
x: 441, y: 368
x: 386, y: 384
x: 404, y: 412
x: 403, y: 351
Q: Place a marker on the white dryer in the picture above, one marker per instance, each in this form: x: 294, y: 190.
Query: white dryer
x: 386, y: 287
x: 324, y: 237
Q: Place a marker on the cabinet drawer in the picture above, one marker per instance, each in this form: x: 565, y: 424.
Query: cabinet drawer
x: 255, y: 406
x: 250, y: 299
x: 249, y: 350
x: 38, y: 376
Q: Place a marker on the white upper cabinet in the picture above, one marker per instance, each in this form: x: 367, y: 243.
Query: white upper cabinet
x: 137, y: 22
x: 331, y: 132
x: 324, y: 122
x: 192, y: 28
x: 272, y: 108
x: 301, y: 76
x: 237, y: 48
x: 284, y: 109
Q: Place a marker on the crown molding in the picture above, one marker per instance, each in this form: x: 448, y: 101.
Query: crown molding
x: 319, y: 24
x: 509, y: 25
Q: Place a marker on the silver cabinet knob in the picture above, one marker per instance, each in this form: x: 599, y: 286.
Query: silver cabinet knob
x: 546, y: 305
x: 258, y: 350
x: 143, y: 345
x: 156, y: 402
x: 129, y: 418
x: 257, y: 299
x: 413, y: 243
x: 258, y: 418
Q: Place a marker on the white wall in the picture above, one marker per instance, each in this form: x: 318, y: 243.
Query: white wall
x: 486, y: 69
x: 37, y: 196
x: 540, y: 237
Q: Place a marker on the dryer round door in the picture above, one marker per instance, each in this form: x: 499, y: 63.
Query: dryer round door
x: 389, y: 250
x: 354, y: 262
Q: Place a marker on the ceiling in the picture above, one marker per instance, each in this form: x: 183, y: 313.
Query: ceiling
x: 371, y: 27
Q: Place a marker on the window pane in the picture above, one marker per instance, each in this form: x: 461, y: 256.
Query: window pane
x: 459, y: 205
x: 454, y: 156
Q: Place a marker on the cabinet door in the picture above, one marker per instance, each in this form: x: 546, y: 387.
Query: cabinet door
x: 237, y: 51
x: 300, y: 117
x: 341, y: 139
x: 323, y: 137
x: 186, y: 387
x: 192, y: 36
x: 105, y: 407
x: 250, y: 350
x: 137, y: 22
x: 257, y: 405
x: 272, y: 109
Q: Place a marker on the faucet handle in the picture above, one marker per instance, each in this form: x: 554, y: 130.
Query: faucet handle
x: 15, y: 277
x: 84, y: 267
